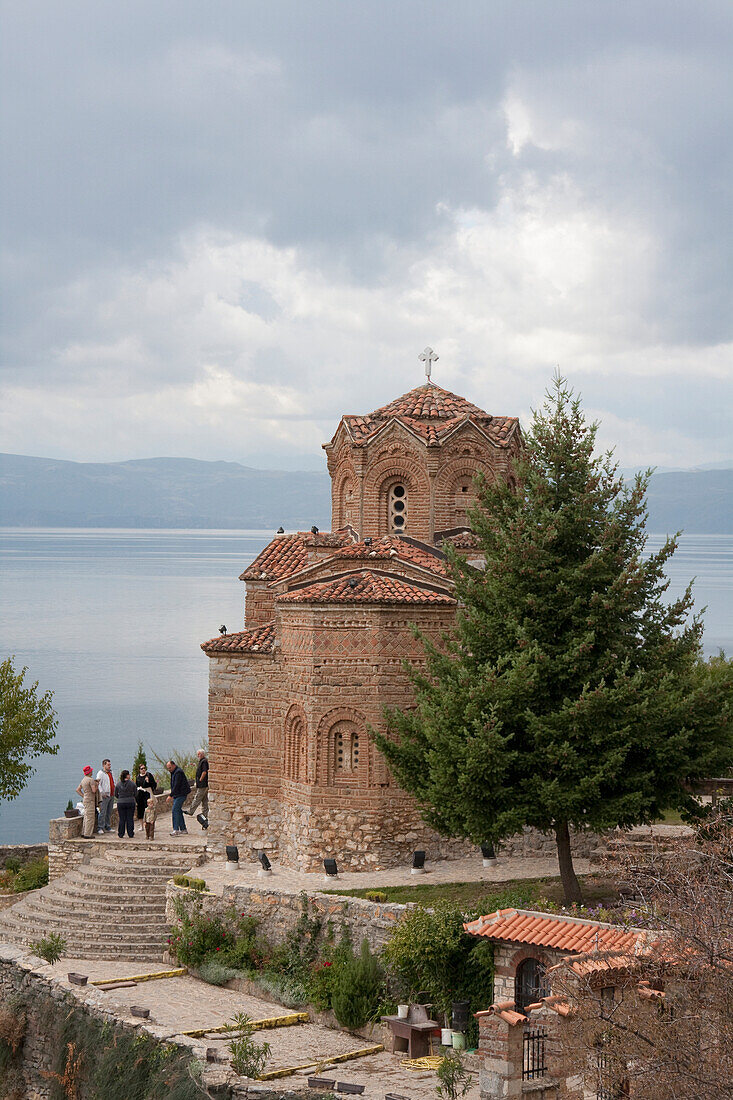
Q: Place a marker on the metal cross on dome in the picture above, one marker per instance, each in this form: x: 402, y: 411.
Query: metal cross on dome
x: 428, y: 357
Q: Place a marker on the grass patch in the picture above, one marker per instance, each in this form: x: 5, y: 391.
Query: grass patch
x: 488, y: 896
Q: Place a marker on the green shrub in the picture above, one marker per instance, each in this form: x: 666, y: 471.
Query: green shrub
x: 429, y: 951
x: 215, y: 973
x: 248, y: 1056
x: 50, y: 947
x: 190, y: 883
x: 32, y: 876
x: 375, y: 895
x: 12, y: 863
x: 358, y: 989
x: 247, y: 952
x: 454, y: 1080
x: 286, y: 990
x: 197, y: 937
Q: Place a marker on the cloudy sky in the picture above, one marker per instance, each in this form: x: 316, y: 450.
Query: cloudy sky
x: 224, y: 224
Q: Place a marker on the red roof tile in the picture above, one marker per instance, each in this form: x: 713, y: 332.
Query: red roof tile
x: 433, y: 413
x: 550, y: 930
x: 288, y: 554
x: 261, y: 639
x: 395, y: 546
x: 368, y: 587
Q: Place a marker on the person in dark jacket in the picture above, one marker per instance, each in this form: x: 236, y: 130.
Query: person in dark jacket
x: 180, y: 790
x: 146, y: 786
x: 125, y: 793
x: 201, y: 797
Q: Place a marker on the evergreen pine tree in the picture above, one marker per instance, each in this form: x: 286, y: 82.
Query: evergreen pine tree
x: 570, y: 693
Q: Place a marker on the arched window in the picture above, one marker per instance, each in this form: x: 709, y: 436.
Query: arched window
x: 462, y: 501
x: 397, y: 508
x: 346, y: 749
x: 529, y: 983
x: 296, y: 748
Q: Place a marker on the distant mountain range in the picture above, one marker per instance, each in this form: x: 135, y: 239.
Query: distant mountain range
x: 183, y: 492
x: 158, y: 492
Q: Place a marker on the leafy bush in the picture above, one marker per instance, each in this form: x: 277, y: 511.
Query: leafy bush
x: 429, y: 951
x: 215, y: 973
x: 288, y: 991
x: 358, y: 989
x: 198, y: 937
x: 31, y: 876
x: 50, y: 947
x: 248, y: 950
x: 455, y: 1081
x: 12, y: 863
x: 248, y: 1056
x: 375, y: 895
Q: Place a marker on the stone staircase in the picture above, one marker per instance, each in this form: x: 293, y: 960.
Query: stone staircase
x: 110, y: 907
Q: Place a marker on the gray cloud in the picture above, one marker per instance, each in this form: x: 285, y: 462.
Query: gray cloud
x: 253, y: 216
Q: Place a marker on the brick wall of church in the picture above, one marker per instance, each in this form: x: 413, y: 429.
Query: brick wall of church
x: 246, y: 712
x: 438, y: 480
x: 259, y: 605
x: 273, y: 728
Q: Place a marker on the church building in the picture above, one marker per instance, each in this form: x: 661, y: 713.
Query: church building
x: 328, y: 625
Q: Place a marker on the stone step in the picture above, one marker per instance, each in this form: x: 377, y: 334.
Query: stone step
x: 79, y: 944
x: 79, y: 894
x: 127, y: 877
x: 97, y: 918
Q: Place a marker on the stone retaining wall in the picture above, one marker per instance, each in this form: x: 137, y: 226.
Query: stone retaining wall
x: 26, y: 853
x: 65, y: 850
x: 28, y: 985
x: 279, y: 912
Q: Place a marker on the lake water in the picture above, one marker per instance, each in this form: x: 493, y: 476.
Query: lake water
x: 111, y: 621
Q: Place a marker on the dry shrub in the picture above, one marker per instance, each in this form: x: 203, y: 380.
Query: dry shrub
x: 12, y: 1028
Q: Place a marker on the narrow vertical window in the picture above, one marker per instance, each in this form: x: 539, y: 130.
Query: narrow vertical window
x: 397, y: 505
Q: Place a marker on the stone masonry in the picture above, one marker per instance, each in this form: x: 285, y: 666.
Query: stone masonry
x: 329, y: 625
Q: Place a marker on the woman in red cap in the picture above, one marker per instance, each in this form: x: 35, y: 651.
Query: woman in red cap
x: 88, y: 791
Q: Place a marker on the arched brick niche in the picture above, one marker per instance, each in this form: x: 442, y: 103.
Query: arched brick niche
x: 397, y: 498
x: 343, y: 746
x: 456, y: 492
x: 295, y: 754
x: 347, y: 504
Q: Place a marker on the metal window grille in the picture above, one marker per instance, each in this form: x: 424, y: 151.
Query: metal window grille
x: 533, y: 1055
x: 607, y: 1090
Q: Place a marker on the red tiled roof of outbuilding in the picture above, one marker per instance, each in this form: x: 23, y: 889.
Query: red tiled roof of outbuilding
x: 368, y: 587
x: 551, y: 930
x: 261, y: 639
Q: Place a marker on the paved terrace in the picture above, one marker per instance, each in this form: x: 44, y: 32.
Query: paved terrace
x: 186, y: 1004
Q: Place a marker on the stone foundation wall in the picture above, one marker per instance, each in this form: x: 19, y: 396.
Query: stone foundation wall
x: 278, y: 912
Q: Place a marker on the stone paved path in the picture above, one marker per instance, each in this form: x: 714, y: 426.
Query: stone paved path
x: 184, y: 1004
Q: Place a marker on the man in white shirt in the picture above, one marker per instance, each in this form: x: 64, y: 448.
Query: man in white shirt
x: 106, y: 784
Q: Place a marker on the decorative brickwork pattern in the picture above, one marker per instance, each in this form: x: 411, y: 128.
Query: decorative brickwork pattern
x: 328, y: 626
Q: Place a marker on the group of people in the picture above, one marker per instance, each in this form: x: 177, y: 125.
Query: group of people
x: 99, y: 794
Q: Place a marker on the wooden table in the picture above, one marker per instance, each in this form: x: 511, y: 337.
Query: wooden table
x: 411, y: 1036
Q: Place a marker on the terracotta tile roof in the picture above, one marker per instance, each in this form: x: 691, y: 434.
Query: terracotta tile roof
x: 288, y: 554
x: 368, y: 587
x: 461, y: 540
x: 259, y: 640
x: 433, y: 413
x: 551, y: 930
x: 395, y: 546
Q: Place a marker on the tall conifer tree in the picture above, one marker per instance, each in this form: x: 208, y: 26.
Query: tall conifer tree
x: 571, y: 693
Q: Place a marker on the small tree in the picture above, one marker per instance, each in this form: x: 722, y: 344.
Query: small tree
x: 140, y: 758
x: 358, y: 989
x: 454, y: 1079
x: 664, y: 1021
x: 570, y: 693
x: 27, y: 729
